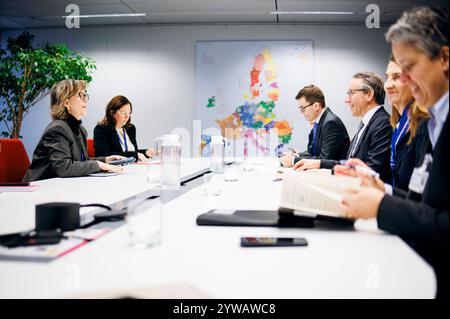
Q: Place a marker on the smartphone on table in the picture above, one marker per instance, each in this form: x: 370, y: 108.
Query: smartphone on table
x: 273, y: 241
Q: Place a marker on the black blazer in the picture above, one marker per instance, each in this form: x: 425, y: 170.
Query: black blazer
x: 332, y: 139
x: 424, y: 223
x: 106, y: 141
x: 407, y: 156
x: 374, y: 146
x: 59, y: 153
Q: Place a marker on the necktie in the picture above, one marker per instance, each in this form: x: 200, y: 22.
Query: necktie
x: 354, y: 141
x: 314, y: 139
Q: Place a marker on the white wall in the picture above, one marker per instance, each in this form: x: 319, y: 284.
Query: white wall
x: 154, y: 66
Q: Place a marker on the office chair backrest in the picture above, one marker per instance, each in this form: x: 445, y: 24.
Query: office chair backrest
x: 90, y: 145
x: 14, y: 160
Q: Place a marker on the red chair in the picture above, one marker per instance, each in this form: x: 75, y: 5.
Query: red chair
x: 14, y: 160
x: 90, y: 145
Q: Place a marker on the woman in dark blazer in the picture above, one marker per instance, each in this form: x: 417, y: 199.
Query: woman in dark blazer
x: 406, y: 118
x: 62, y: 149
x: 116, y: 135
x: 419, y: 42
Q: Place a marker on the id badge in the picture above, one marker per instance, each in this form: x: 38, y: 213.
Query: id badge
x: 418, y: 180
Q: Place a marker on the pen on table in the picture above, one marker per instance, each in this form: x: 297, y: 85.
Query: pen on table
x: 360, y: 169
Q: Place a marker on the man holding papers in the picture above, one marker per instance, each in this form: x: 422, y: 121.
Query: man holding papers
x: 419, y: 43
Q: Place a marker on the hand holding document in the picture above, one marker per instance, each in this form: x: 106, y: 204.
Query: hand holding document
x: 315, y: 194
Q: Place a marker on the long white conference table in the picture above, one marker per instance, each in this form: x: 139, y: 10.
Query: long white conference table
x: 207, y: 261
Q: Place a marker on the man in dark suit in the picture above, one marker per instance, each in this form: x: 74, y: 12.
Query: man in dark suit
x: 328, y: 138
x: 421, y: 216
x: 371, y: 143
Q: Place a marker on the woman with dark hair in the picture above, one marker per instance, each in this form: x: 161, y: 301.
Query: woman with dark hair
x: 116, y: 135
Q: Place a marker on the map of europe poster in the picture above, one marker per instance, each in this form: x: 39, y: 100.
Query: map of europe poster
x: 246, y: 89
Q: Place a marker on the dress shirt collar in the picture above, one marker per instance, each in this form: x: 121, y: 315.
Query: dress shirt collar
x: 320, y: 116
x: 438, y: 112
x: 366, y: 118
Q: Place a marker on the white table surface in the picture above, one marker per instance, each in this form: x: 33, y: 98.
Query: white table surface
x: 361, y: 263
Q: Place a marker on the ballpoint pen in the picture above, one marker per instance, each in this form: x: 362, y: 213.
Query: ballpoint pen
x: 360, y: 169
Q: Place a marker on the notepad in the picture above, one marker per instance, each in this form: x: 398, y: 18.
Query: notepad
x: 310, y: 193
x: 13, y: 189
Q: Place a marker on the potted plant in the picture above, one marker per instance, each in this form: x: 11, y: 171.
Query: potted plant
x: 27, y: 74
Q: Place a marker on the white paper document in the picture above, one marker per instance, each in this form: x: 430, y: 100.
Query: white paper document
x: 314, y: 193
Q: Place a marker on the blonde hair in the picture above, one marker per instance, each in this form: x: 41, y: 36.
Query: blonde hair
x: 416, y: 115
x: 62, y: 91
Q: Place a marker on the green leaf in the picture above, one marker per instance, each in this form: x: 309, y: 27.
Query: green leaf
x: 47, y: 65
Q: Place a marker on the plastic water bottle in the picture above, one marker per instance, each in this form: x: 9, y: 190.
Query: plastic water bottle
x: 217, y: 154
x: 170, y: 161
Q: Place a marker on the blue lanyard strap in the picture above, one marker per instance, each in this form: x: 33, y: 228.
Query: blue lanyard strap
x: 124, y: 139
x: 399, y: 133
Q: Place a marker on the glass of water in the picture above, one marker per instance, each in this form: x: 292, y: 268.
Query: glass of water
x: 144, y: 222
x: 212, y: 183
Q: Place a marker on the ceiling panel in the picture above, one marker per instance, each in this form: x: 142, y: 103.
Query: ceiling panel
x: 390, y: 10
x: 45, y: 13
x: 51, y: 16
x: 212, y: 11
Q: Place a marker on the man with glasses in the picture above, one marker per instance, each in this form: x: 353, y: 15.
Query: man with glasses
x: 371, y: 143
x: 328, y: 138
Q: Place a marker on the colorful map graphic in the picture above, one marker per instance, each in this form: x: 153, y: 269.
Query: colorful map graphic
x: 256, y: 118
x: 252, y: 118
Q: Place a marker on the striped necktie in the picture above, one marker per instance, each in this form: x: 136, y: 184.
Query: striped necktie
x: 353, y: 145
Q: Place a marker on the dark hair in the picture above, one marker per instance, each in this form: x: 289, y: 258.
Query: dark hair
x: 113, y: 106
x: 311, y: 94
x: 372, y: 82
x: 426, y: 28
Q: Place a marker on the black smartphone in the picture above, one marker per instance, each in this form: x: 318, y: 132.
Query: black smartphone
x: 124, y: 161
x: 273, y: 241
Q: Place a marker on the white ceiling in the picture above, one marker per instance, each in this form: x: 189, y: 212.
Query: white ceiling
x: 18, y: 14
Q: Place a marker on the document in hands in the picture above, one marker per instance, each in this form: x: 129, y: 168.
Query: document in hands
x: 310, y: 194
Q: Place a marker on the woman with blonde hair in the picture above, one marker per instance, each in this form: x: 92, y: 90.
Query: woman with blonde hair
x: 406, y: 119
x: 62, y: 149
x: 419, y: 43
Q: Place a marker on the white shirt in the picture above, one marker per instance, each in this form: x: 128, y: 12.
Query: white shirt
x: 317, y: 120
x: 366, y: 119
x: 120, y: 132
x: 438, y: 112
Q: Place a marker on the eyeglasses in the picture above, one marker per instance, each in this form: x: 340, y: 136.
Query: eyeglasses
x: 352, y: 92
x: 124, y: 113
x: 83, y: 96
x: 303, y: 108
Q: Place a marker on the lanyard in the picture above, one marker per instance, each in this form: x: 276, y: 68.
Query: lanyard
x: 124, y: 139
x: 399, y: 133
